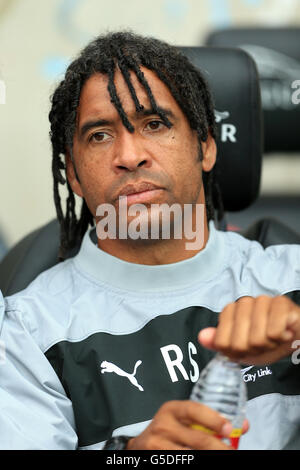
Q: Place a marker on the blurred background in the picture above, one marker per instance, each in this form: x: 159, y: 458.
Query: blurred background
x: 37, y: 41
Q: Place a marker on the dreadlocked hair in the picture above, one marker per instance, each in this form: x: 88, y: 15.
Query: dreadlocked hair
x: 128, y: 52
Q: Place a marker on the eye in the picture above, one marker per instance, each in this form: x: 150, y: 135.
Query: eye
x: 155, y: 125
x: 99, y: 137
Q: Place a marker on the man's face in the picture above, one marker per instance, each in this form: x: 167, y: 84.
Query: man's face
x: 108, y: 157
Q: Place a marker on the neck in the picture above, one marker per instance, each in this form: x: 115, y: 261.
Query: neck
x: 162, y: 251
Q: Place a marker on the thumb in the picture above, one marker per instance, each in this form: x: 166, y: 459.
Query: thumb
x: 206, y: 337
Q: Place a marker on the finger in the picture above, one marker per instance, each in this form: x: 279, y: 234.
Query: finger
x: 241, y: 326
x: 175, y: 423
x: 206, y: 337
x: 202, y: 440
x: 224, y: 330
x: 258, y: 339
x: 190, y: 412
x: 293, y: 320
x: 185, y: 436
x: 280, y: 313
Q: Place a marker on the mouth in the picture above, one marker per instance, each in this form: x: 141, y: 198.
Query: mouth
x: 140, y: 192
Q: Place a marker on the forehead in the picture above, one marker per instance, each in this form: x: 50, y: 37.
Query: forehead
x: 95, y: 100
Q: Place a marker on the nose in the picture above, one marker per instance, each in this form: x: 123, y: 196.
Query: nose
x: 130, y: 153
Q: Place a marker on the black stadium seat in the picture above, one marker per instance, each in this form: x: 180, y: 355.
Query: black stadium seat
x: 238, y: 114
x: 276, y: 52
x: 271, y: 232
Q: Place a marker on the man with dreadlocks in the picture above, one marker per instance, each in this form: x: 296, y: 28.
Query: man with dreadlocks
x: 102, y: 350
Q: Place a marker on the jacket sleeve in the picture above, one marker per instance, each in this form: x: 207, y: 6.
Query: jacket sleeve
x: 35, y: 412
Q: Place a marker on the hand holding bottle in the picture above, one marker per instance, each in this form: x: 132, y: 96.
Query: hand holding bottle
x: 222, y: 388
x: 171, y: 429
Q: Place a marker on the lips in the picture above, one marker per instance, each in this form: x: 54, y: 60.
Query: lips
x: 137, y: 188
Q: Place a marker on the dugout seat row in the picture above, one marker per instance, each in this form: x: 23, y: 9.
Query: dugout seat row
x: 232, y: 75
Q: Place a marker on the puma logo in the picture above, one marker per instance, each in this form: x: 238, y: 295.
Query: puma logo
x: 110, y: 367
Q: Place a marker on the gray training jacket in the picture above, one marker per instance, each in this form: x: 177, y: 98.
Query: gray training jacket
x: 95, y: 345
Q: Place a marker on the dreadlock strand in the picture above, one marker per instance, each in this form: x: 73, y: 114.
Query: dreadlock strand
x: 141, y: 77
x: 125, y: 72
x: 71, y: 219
x: 217, y: 198
x: 85, y: 220
x: 164, y: 78
x: 60, y: 216
x: 209, y: 196
x: 116, y: 101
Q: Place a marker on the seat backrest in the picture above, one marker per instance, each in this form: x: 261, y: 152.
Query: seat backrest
x: 34, y: 254
x: 276, y: 52
x: 238, y: 111
x: 270, y: 231
x: 238, y: 115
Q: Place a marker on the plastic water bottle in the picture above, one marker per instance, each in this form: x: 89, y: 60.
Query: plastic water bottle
x: 221, y: 387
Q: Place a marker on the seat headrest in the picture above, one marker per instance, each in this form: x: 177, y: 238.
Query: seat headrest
x: 276, y: 52
x: 233, y: 79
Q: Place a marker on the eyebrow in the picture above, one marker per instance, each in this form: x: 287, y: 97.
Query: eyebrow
x: 137, y: 115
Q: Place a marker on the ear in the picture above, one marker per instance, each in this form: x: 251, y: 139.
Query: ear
x: 209, y: 151
x: 71, y: 175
